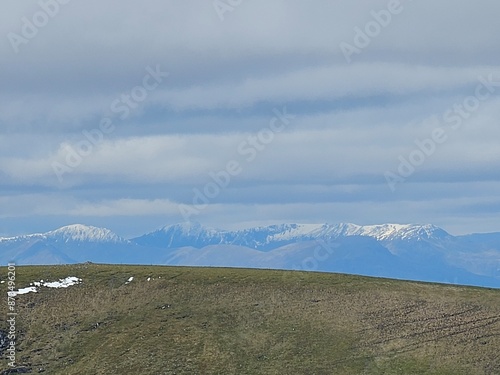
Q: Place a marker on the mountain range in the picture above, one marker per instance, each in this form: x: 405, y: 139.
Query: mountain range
x: 404, y: 251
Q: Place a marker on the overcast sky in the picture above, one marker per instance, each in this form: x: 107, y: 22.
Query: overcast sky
x: 134, y: 115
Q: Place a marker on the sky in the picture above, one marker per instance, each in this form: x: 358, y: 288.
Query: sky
x: 233, y: 113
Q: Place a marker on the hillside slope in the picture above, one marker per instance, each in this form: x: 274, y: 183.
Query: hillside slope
x: 182, y: 320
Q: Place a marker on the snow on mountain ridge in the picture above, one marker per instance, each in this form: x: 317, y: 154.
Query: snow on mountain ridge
x: 177, y: 234
x: 74, y: 232
x: 294, y: 231
x: 22, y: 237
x: 380, y: 232
x: 189, y: 229
x: 396, y: 231
x: 81, y: 233
x: 404, y: 232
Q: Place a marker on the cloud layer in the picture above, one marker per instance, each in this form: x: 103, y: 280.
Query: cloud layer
x: 85, y: 137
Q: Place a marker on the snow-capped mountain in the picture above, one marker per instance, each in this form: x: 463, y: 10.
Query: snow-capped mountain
x: 406, y: 251
x: 265, y: 238
x: 83, y: 233
x: 63, y: 245
x: 389, y: 232
x: 71, y: 233
x: 184, y: 234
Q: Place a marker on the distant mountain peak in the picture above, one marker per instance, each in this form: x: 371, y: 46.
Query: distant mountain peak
x: 82, y: 233
x: 380, y: 232
x: 268, y: 237
x: 185, y: 227
x: 400, y: 231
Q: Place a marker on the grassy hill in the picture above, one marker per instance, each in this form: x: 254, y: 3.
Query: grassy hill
x: 235, y: 321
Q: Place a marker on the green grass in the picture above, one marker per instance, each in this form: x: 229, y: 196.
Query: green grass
x: 236, y: 321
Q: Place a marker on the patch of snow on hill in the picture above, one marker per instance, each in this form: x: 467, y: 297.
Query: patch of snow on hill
x: 62, y: 283
x: 29, y: 289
